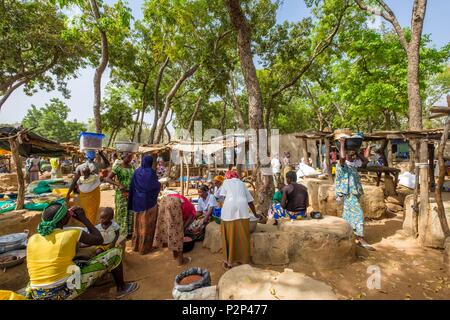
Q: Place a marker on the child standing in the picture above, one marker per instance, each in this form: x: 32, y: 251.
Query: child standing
x: 109, y: 230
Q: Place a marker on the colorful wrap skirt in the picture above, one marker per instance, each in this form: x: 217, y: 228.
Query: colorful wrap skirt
x: 80, y: 279
x: 279, y: 213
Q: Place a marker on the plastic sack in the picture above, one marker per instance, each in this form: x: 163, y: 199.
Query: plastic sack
x: 13, y: 241
x: 204, y: 282
x: 407, y: 179
x: 305, y: 170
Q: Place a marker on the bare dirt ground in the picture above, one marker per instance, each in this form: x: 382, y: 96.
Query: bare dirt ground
x: 408, y: 271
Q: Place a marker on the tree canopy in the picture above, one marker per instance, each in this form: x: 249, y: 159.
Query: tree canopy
x: 180, y: 63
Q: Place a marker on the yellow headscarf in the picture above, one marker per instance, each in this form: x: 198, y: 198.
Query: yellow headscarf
x: 219, y: 179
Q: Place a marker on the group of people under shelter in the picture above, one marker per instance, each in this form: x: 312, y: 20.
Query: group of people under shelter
x: 151, y: 223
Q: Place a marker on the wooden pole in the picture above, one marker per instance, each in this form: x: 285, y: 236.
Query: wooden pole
x: 416, y: 194
x: 182, y: 174
x: 327, y: 159
x: 424, y: 204
x: 431, y: 166
x: 188, y: 165
x: 14, y: 145
x: 305, y: 149
x: 320, y: 154
x: 441, y: 177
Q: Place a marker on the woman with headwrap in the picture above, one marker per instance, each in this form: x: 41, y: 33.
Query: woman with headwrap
x: 235, y: 221
x: 51, y: 252
x: 88, y: 182
x: 143, y: 201
x: 349, y: 189
x: 124, y: 172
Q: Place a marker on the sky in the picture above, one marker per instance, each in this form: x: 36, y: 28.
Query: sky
x: 437, y: 23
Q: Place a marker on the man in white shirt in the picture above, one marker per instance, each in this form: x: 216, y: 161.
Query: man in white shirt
x: 276, y: 170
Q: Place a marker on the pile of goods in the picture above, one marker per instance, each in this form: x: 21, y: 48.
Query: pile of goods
x: 127, y: 146
x: 8, y: 182
x: 91, y: 141
x: 12, y: 249
x: 352, y: 141
x: 39, y: 195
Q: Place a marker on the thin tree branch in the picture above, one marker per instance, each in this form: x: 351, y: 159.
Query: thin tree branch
x: 389, y: 16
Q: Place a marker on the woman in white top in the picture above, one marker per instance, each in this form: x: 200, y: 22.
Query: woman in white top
x: 206, y: 204
x: 235, y: 221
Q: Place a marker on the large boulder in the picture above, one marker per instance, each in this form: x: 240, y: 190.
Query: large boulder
x: 402, y: 193
x: 325, y: 243
x: 327, y: 201
x: 248, y: 283
x: 408, y: 222
x: 431, y: 235
x: 447, y: 254
x: 393, y: 208
x: 313, y: 191
x: 372, y: 202
x: 213, y: 240
x: 268, y: 246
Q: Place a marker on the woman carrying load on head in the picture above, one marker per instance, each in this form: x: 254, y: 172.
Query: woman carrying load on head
x: 349, y: 189
x: 88, y: 182
x: 51, y: 261
x: 124, y: 173
x: 143, y: 201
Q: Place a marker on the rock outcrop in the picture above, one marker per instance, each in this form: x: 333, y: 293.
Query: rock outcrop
x: 248, y: 283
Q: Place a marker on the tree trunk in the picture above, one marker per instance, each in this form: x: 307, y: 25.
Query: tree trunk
x: 111, y: 137
x: 100, y: 69
x: 168, y: 100
x: 133, y: 134
x: 156, y: 100
x: 222, y: 122
x: 441, y: 177
x: 143, y: 109
x: 194, y: 114
x: 14, y: 145
x: 235, y: 102
x: 264, y: 187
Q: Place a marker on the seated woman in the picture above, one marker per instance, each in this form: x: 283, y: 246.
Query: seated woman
x: 206, y: 204
x: 53, y: 272
x: 294, y: 201
x: 276, y: 201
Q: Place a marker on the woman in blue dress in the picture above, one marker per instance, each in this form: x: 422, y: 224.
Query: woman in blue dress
x: 349, y: 189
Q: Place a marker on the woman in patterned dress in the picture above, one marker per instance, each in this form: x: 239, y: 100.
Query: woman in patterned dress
x: 124, y: 173
x: 170, y: 228
x: 349, y: 189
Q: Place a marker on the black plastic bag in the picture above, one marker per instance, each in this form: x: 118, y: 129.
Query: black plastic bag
x: 204, y: 282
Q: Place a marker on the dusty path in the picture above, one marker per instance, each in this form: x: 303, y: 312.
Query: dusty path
x: 407, y: 270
